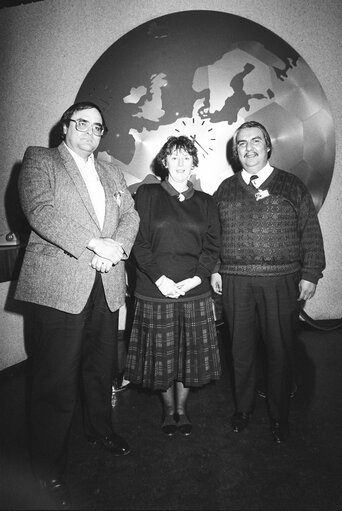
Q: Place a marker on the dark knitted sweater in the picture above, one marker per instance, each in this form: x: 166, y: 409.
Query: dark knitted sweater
x: 176, y: 239
x: 277, y: 235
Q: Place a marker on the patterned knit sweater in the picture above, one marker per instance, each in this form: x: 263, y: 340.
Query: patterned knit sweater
x: 276, y: 235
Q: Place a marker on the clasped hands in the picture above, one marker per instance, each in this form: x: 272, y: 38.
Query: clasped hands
x: 172, y: 289
x: 107, y: 252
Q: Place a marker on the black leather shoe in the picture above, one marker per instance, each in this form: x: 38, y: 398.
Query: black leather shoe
x: 280, y: 431
x: 113, y: 443
x: 57, y: 490
x: 169, y: 426
x: 184, y: 425
x: 240, y: 421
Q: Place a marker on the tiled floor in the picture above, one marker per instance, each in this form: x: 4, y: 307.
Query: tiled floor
x: 214, y: 468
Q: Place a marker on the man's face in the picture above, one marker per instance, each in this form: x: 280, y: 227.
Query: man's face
x: 252, y: 150
x: 83, y: 143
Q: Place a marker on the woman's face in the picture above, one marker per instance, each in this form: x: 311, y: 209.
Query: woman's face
x: 179, y: 164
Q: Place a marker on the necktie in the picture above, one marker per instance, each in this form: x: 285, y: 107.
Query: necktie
x: 252, y: 179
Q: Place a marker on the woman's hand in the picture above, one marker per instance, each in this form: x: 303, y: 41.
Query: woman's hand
x: 168, y: 287
x: 216, y: 283
x: 187, y: 284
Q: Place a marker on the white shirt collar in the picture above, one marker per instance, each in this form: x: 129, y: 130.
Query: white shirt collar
x: 79, y: 161
x: 92, y: 181
x: 263, y: 174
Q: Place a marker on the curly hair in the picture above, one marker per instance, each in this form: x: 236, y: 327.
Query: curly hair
x: 174, y: 143
x: 252, y: 124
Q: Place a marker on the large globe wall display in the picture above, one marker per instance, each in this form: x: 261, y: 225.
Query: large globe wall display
x: 202, y: 74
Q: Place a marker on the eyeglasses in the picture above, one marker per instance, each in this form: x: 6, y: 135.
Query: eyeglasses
x: 83, y: 125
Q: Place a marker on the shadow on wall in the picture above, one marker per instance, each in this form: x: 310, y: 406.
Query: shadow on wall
x: 55, y: 135
x: 14, y: 215
x: 235, y: 165
x: 24, y: 309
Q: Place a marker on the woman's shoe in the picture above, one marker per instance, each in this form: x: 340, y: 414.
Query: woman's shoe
x: 119, y: 383
x: 184, y: 424
x: 169, y: 426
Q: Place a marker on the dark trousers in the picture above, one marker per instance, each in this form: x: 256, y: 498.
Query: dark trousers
x: 68, y: 350
x: 266, y: 308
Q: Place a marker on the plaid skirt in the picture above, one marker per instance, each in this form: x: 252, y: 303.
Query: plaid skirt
x: 173, y: 341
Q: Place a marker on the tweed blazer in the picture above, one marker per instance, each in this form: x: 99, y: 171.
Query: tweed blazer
x: 55, y: 200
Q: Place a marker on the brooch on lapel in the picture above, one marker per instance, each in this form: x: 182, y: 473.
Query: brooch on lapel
x: 117, y: 196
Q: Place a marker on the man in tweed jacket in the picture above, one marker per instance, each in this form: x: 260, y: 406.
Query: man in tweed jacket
x: 272, y: 257
x: 83, y: 225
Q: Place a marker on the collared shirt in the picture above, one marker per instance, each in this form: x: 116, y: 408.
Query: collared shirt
x: 93, y: 183
x: 263, y: 174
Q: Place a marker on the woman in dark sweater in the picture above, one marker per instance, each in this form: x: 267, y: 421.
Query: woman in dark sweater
x: 173, y: 343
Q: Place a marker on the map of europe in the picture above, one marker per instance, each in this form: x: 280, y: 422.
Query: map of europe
x: 204, y: 79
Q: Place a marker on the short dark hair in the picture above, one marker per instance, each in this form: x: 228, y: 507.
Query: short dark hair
x: 77, y: 107
x: 252, y: 124
x: 174, y: 143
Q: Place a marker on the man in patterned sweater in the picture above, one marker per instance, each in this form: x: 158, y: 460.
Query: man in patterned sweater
x: 272, y: 256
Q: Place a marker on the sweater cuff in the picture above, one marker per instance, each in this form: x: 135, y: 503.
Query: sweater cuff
x: 310, y: 277
x: 202, y: 273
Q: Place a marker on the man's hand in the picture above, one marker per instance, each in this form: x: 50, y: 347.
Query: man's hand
x: 107, y: 248
x: 216, y: 283
x: 187, y: 284
x: 101, y: 264
x: 168, y: 287
x: 306, y: 290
